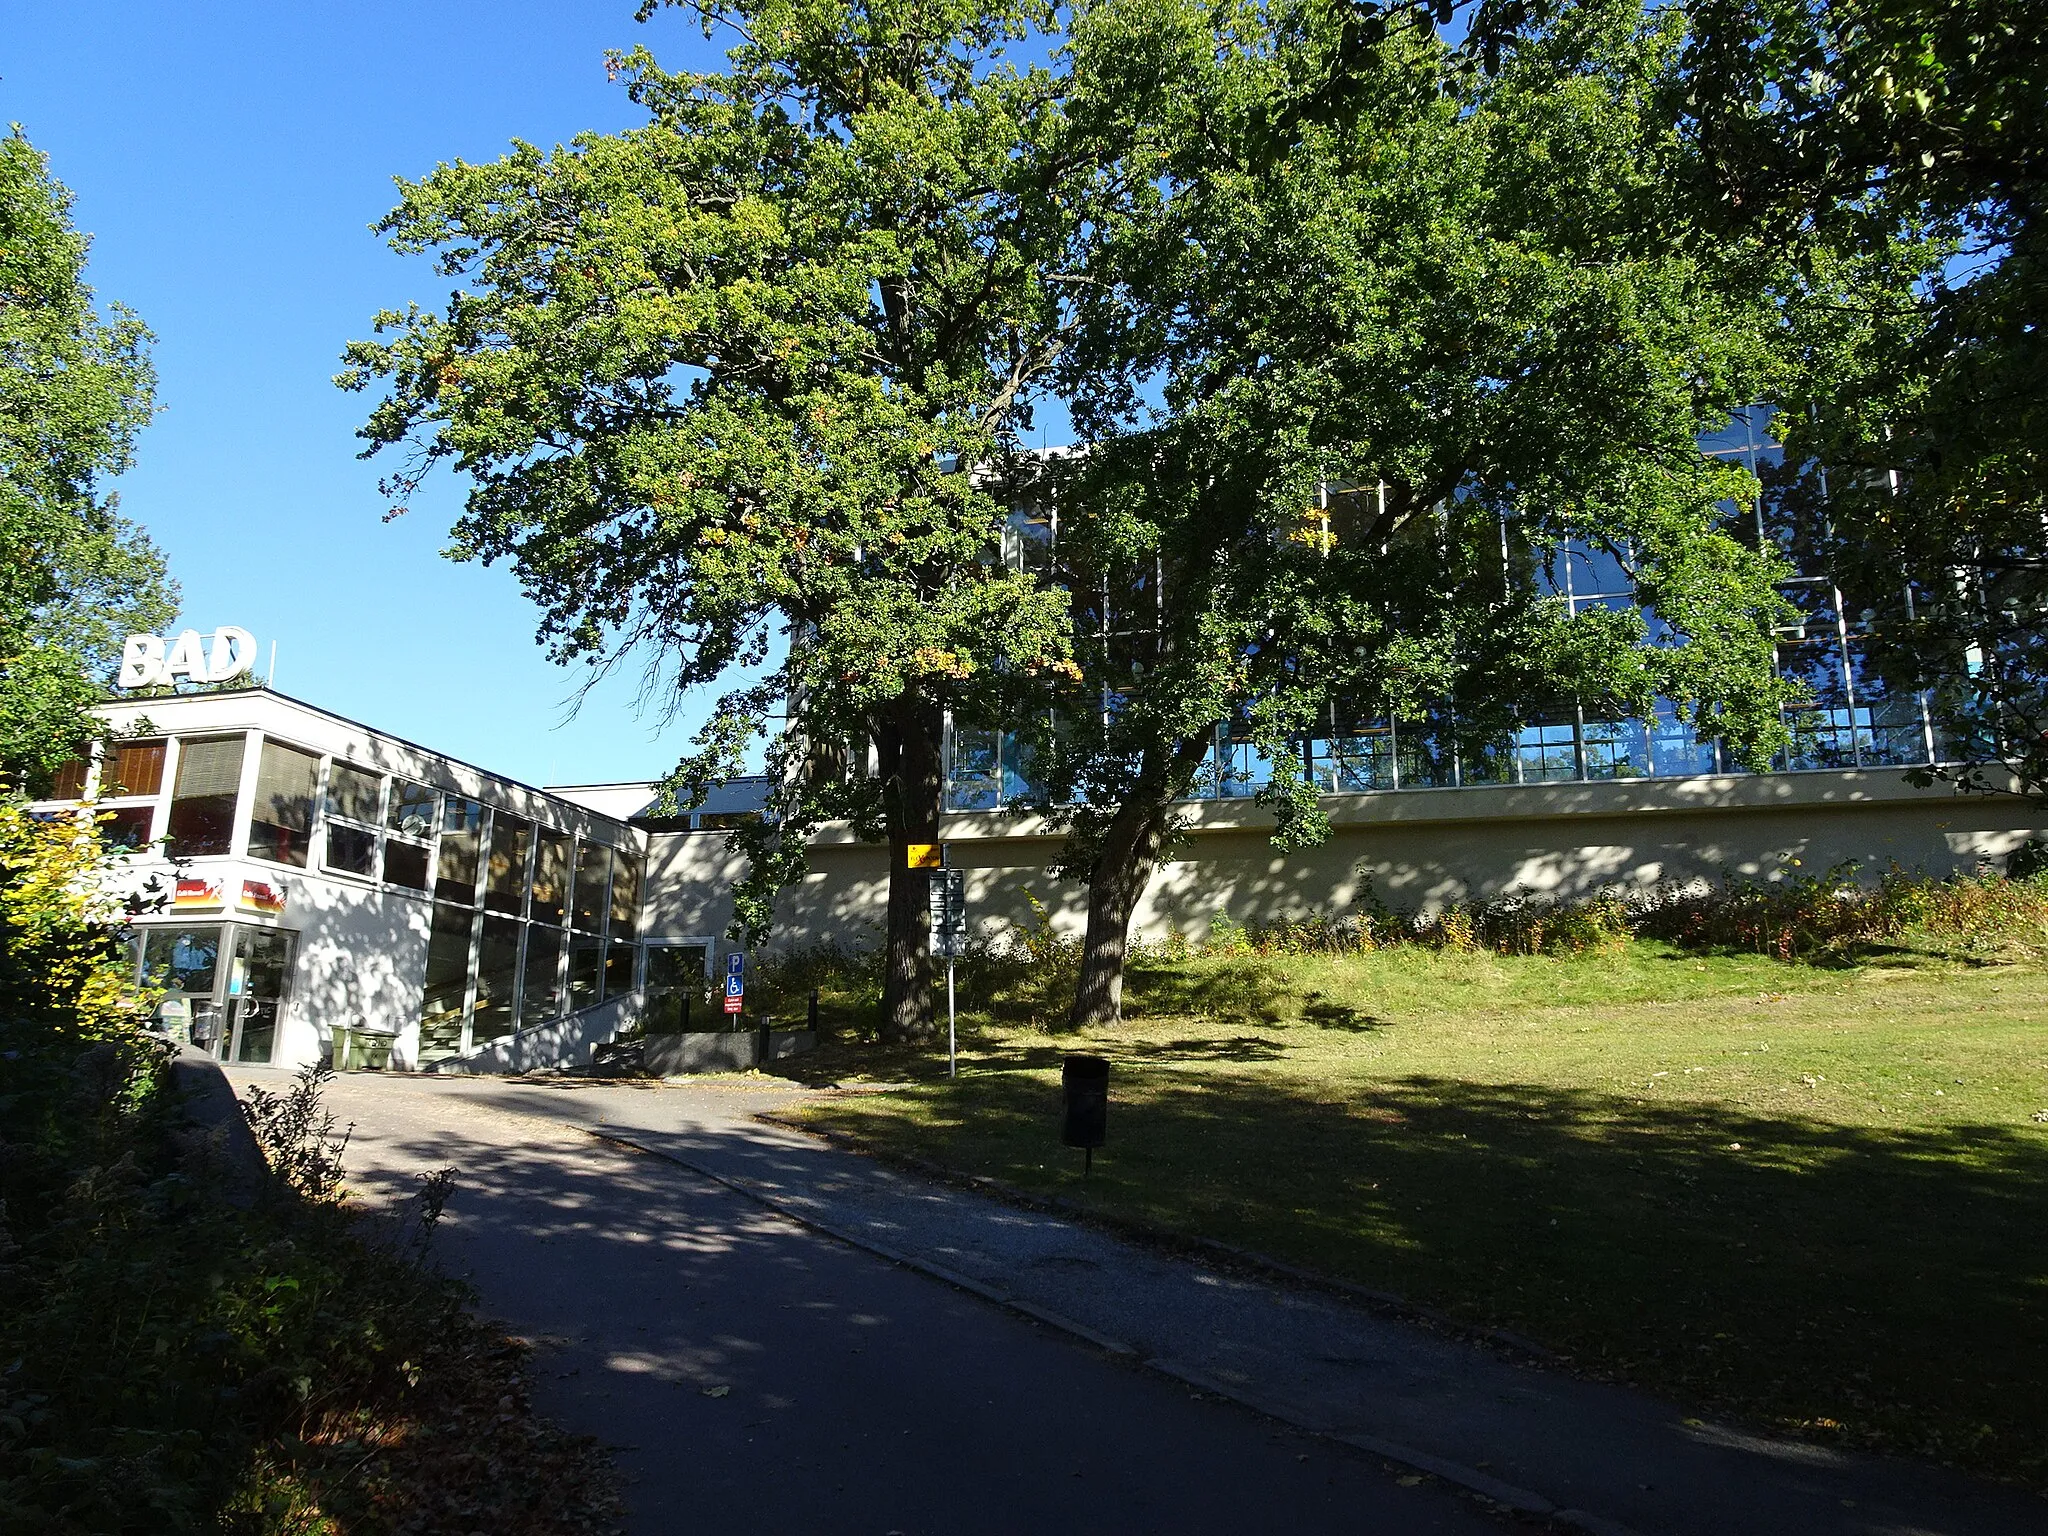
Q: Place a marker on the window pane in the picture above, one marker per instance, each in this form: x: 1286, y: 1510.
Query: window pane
x: 354, y: 792
x: 550, y: 875
x: 540, y: 995
x: 203, y: 800
x: 352, y: 850
x: 461, y: 827
x: 497, y: 971
x: 593, y: 876
x: 69, y: 782
x: 618, y: 969
x: 505, y: 888
x: 625, y: 893
x: 133, y: 768
x: 406, y: 864
x: 414, y: 808
x: 1677, y: 748
x: 447, y: 982
x: 676, y: 996
x: 282, y: 815
x: 586, y: 959
x: 181, y: 959
x: 1617, y: 749
x: 126, y: 827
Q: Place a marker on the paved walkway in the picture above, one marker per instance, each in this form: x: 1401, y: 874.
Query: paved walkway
x: 762, y: 1379
x: 1579, y: 1454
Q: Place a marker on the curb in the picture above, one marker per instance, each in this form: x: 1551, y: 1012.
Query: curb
x: 1167, y: 1239
x: 1520, y: 1500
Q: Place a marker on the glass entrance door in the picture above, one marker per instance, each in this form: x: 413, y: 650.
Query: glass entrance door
x: 678, y: 997
x: 257, y: 979
x: 185, y: 962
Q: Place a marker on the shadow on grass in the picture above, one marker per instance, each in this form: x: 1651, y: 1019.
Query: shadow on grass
x: 1866, y: 1285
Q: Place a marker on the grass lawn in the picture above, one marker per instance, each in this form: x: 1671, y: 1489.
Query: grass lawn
x: 1813, y: 1198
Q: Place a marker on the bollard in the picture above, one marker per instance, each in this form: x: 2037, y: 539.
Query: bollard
x: 814, y: 1010
x: 761, y: 1055
x: 1084, y: 1082
x: 686, y: 1012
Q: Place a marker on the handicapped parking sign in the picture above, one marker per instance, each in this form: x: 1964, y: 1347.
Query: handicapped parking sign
x: 735, y: 981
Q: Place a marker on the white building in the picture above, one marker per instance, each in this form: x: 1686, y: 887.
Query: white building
x: 329, y: 890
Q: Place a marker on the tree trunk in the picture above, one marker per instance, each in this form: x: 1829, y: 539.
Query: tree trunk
x: 909, y: 750
x: 1122, y: 869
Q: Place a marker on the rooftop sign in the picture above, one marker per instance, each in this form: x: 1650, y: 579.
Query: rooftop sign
x: 147, y: 660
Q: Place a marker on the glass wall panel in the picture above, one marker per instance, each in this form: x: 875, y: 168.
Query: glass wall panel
x: 256, y: 989
x: 133, y: 768
x: 461, y: 832
x: 593, y: 887
x: 540, y: 994
x: 414, y: 809
x: 497, y: 980
x: 1676, y: 747
x: 677, y: 998
x: 405, y: 864
x: 352, y: 850
x: 1425, y: 753
x: 625, y: 905
x: 354, y: 793
x: 281, y: 818
x: 181, y: 959
x: 586, y: 964
x: 1544, y: 753
x: 1616, y: 749
x: 505, y: 885
x: 974, y: 783
x: 550, y: 875
x: 127, y: 826
x: 68, y: 783
x: 618, y: 969
x: 203, y: 798
x: 447, y: 984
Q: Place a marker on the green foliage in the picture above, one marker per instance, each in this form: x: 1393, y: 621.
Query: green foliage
x: 734, y: 391
x: 173, y: 1361
x: 1896, y: 149
x: 75, y: 388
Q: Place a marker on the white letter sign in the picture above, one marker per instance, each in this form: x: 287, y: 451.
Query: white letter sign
x: 146, y: 661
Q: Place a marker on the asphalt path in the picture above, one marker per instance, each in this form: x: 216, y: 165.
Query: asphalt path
x: 756, y: 1376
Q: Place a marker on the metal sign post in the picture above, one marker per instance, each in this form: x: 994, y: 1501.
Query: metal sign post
x: 949, y: 938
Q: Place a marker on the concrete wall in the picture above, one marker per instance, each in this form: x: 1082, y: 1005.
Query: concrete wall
x: 1423, y: 849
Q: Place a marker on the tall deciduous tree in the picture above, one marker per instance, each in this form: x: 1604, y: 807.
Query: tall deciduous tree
x: 75, y: 388
x: 1453, y: 295
x: 1900, y: 150
x: 730, y: 388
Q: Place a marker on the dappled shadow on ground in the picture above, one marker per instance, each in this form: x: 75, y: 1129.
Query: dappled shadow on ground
x: 1859, y: 1283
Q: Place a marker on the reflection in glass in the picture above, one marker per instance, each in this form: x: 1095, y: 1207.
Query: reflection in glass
x: 181, y: 959
x: 413, y: 809
x: 351, y: 850
x: 461, y: 833
x: 540, y: 994
x: 550, y: 875
x: 126, y: 827
x: 505, y: 884
x: 1677, y: 748
x: 256, y: 984
x: 677, y: 998
x: 405, y: 864
x: 281, y: 817
x: 354, y: 793
x: 618, y: 969
x: 203, y: 797
x: 593, y: 886
x: 447, y: 986
x: 1544, y: 754
x: 1617, y: 749
x: 625, y: 903
x: 973, y: 783
x: 586, y: 961
x: 497, y: 977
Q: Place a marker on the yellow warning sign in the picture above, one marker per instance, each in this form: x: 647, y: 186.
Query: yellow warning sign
x: 925, y: 856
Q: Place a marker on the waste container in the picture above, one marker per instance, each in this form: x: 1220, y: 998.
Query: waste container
x: 1085, y: 1083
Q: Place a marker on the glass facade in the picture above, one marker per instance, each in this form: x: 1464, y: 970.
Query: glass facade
x: 1852, y: 721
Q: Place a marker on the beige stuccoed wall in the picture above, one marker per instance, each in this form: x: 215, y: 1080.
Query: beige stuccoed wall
x: 1422, y: 849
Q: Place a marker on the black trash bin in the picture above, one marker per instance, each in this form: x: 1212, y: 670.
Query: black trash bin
x: 1085, y: 1083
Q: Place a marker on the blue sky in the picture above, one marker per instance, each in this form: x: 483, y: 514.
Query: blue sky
x: 227, y: 157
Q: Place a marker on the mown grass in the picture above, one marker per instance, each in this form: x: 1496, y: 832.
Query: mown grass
x: 1814, y: 1198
